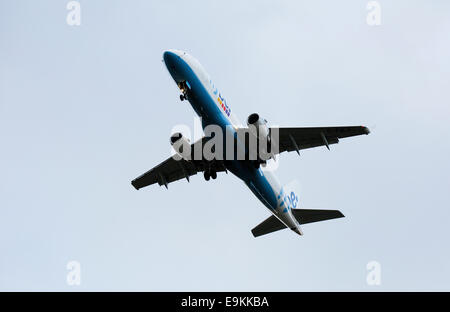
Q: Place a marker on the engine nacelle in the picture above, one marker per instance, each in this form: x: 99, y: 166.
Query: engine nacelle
x: 181, y: 145
x: 258, y: 127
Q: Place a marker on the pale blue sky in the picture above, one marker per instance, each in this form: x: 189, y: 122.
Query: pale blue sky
x: 83, y: 110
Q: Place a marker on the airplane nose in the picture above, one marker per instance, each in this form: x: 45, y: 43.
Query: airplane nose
x: 173, y: 59
x: 173, y: 54
x: 169, y: 58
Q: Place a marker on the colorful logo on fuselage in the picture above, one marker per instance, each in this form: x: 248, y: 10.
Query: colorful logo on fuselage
x: 222, y: 102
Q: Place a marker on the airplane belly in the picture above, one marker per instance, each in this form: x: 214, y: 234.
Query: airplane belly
x: 208, y: 103
x: 268, y: 189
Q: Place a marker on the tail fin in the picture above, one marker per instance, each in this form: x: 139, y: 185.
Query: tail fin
x: 289, y: 195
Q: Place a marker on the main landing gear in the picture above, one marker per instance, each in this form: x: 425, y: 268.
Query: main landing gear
x: 210, y: 174
x: 257, y: 164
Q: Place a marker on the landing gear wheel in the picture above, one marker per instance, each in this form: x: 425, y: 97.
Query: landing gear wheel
x: 206, y: 175
x: 182, y: 97
x: 214, y: 175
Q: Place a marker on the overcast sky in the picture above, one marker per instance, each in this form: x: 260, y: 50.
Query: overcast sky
x: 85, y: 109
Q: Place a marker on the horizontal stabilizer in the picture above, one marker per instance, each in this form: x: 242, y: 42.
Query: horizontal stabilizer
x: 304, y: 216
x: 271, y: 224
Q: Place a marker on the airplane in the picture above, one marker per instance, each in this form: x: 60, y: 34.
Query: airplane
x: 198, y: 89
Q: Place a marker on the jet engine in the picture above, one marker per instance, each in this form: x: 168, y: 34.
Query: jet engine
x: 181, y: 145
x: 258, y: 127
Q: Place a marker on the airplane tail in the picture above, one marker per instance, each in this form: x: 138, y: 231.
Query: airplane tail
x: 303, y: 216
x: 289, y: 203
x: 288, y: 200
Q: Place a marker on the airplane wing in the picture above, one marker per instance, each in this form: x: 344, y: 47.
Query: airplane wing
x: 296, y: 139
x: 172, y: 170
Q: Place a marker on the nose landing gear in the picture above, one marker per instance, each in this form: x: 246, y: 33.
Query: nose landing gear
x: 184, y: 90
